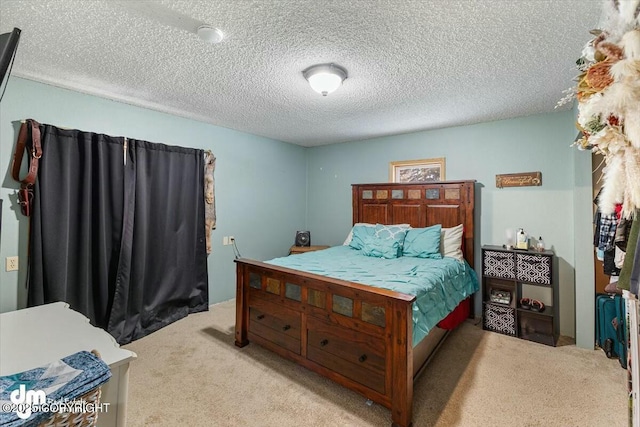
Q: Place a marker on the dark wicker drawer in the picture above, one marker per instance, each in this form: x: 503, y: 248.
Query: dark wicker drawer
x: 498, y: 264
x: 499, y: 318
x: 533, y: 268
x: 537, y: 327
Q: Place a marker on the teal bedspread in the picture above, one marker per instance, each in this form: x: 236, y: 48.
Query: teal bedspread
x: 439, y: 285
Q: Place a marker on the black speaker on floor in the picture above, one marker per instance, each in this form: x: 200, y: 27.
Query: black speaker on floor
x: 303, y: 238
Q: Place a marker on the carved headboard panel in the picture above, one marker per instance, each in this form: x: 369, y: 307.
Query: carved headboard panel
x: 449, y: 203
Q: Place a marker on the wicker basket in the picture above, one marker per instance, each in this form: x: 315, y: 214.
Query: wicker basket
x: 499, y: 318
x: 82, y: 419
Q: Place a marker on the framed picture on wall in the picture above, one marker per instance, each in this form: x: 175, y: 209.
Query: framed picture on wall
x: 425, y: 170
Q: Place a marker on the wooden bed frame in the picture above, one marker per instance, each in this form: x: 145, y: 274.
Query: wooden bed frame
x: 356, y: 335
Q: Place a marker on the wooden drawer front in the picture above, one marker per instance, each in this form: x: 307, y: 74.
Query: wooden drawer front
x: 277, y: 324
x: 355, y: 372
x: 352, y: 346
x: 534, y: 268
x: 358, y: 356
x: 276, y: 316
x: 287, y: 325
x: 498, y: 264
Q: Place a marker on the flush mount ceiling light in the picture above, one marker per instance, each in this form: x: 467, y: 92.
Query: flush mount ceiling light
x: 210, y: 34
x: 325, y: 78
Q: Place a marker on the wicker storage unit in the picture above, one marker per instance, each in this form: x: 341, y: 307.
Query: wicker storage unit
x: 508, y: 275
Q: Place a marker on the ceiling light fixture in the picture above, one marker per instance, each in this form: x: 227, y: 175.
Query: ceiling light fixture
x: 210, y: 34
x: 325, y: 78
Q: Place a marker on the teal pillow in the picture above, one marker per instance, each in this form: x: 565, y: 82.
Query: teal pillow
x: 360, y: 233
x: 381, y: 248
x: 423, y: 242
x: 392, y: 233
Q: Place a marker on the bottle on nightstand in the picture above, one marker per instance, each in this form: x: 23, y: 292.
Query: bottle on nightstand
x: 522, y: 241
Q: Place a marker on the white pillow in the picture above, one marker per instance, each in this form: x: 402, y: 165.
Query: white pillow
x: 451, y: 242
x: 365, y: 224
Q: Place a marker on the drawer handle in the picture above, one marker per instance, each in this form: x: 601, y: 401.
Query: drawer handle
x: 362, y: 358
x: 286, y: 327
x: 324, y: 342
x: 260, y: 316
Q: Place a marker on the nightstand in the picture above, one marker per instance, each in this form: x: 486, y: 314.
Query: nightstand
x: 302, y: 249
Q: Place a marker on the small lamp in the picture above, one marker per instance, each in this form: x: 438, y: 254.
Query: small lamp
x: 325, y: 78
x: 510, y: 238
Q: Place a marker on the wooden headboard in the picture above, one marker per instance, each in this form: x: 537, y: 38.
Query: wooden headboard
x: 449, y: 203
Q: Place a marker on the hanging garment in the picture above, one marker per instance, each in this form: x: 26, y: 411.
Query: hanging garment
x: 209, y: 196
x: 122, y: 244
x: 622, y: 233
x: 609, y: 263
x: 619, y: 257
x: 631, y: 256
x: 607, y: 232
x: 597, y: 217
x: 596, y: 228
x: 634, y: 279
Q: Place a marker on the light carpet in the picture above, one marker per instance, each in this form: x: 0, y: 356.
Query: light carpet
x: 191, y: 374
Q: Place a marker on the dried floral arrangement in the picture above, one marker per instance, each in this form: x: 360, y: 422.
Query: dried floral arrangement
x: 608, y: 95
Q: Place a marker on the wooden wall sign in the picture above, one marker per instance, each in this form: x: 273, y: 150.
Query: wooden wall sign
x: 523, y: 179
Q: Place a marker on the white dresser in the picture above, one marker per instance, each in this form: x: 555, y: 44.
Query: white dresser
x: 39, y: 335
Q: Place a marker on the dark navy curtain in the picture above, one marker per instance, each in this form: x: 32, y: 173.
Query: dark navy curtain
x: 121, y: 243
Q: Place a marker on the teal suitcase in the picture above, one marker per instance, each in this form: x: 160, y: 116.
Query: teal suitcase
x: 606, y: 334
x: 622, y: 342
x: 611, y: 332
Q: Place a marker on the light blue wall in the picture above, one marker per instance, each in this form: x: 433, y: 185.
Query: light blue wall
x: 536, y: 143
x: 259, y: 182
x: 584, y: 263
x: 260, y: 185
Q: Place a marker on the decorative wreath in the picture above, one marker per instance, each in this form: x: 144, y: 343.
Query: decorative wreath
x: 608, y: 95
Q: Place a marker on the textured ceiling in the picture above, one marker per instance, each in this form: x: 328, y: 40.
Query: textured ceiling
x: 413, y: 65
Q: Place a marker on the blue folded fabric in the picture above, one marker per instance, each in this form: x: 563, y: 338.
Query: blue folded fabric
x: 61, y: 381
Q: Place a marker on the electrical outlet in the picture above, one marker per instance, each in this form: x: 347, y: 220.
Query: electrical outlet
x: 231, y: 240
x: 12, y: 263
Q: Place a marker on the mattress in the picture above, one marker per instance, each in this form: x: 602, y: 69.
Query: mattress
x: 439, y: 285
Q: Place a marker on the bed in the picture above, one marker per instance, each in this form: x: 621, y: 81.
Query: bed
x: 358, y: 335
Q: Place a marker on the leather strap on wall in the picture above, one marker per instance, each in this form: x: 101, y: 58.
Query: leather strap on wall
x: 33, y: 148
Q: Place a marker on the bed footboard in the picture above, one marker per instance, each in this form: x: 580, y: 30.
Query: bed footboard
x: 356, y: 335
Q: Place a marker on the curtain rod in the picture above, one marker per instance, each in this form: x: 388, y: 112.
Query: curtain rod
x: 59, y: 127
x: 124, y: 145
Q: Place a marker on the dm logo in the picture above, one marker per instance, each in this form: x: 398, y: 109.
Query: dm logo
x: 26, y: 400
